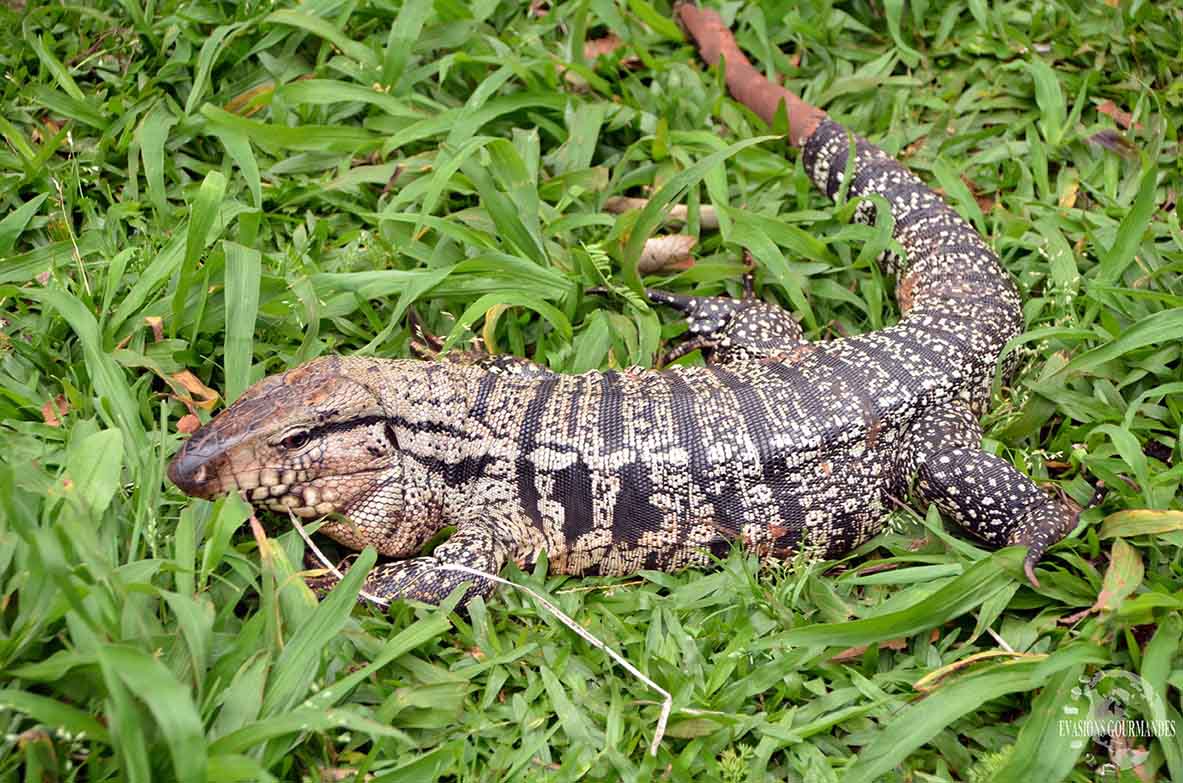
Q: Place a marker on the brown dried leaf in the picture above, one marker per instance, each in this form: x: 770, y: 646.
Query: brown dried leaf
x: 914, y: 147
x: 665, y: 253
x: 188, y: 424
x: 1114, y: 142
x: 336, y: 774
x: 245, y: 100
x: 1120, y: 116
x: 157, y: 324
x: 985, y: 201
x: 202, y: 395
x: 855, y: 653
x: 596, y: 47
x: 1121, y: 579
x: 708, y: 218
x: 53, y: 411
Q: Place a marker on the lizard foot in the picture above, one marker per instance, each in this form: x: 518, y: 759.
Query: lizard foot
x: 731, y: 329
x: 1042, y: 526
x: 423, y: 579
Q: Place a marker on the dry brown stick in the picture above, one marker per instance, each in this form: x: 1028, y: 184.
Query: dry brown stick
x: 708, y: 219
x: 746, y: 84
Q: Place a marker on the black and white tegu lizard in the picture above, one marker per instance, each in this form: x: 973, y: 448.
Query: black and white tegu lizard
x: 776, y: 442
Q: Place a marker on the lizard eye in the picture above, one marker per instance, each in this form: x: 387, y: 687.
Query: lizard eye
x: 295, y: 440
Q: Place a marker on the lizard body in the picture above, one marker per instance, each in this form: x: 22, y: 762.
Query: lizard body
x: 777, y: 442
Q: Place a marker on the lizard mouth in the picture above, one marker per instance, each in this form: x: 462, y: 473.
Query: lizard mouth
x: 296, y: 491
x: 195, y: 474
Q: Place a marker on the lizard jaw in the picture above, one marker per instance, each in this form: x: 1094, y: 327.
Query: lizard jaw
x: 194, y: 474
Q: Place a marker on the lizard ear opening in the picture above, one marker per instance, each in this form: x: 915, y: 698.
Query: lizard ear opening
x: 388, y: 430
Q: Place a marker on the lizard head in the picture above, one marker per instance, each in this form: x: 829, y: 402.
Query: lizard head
x: 312, y: 440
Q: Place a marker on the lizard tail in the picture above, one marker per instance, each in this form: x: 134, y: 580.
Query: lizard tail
x: 748, y: 85
x: 950, y: 278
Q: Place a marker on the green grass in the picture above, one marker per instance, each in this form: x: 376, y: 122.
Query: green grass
x: 266, y: 185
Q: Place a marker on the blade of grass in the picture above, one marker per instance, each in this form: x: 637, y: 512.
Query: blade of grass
x: 243, y: 272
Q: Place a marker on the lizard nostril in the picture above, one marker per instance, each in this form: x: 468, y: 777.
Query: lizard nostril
x: 191, y: 474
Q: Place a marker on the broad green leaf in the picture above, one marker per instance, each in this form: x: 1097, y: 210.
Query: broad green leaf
x: 313, y: 138
x: 14, y: 222
x: 169, y: 702
x: 652, y: 214
x: 298, y: 664
x: 401, y: 40
x: 211, y: 50
x: 203, y: 214
x: 1115, y: 259
x: 963, y: 594
x: 1050, y: 99
x: 152, y: 136
x: 1043, y: 751
x: 54, y: 714
x: 1140, y: 522
x: 482, y: 306
x: 299, y: 720
x: 1157, y: 328
x: 324, y: 29
x: 94, y: 469
x: 243, y: 272
x: 922, y: 721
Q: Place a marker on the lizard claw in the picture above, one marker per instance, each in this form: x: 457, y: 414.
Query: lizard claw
x: 749, y: 276
x: 423, y: 344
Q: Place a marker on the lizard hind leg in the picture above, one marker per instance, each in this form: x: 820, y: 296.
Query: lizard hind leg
x: 731, y: 329
x: 983, y: 493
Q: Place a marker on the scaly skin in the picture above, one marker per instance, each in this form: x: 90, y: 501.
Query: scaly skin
x: 778, y: 443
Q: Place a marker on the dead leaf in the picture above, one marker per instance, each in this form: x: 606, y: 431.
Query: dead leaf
x: 157, y: 324
x: 1120, y: 116
x: 1068, y: 198
x: 1114, y: 142
x: 708, y: 218
x: 855, y: 653
x: 914, y: 147
x: 666, y: 253
x: 53, y: 411
x: 1121, y: 579
x: 596, y: 47
x: 336, y: 774
x: 985, y: 201
x: 202, y: 396
x: 245, y: 100
x: 188, y: 424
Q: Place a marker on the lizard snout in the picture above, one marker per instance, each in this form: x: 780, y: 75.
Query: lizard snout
x: 193, y: 473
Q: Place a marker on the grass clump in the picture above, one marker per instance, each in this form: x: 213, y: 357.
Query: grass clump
x: 193, y: 195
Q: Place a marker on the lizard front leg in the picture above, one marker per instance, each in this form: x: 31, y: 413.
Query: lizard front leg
x: 732, y: 329
x: 425, y: 578
x: 483, y: 541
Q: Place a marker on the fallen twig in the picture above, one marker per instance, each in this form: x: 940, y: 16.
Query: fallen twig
x: 708, y: 218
